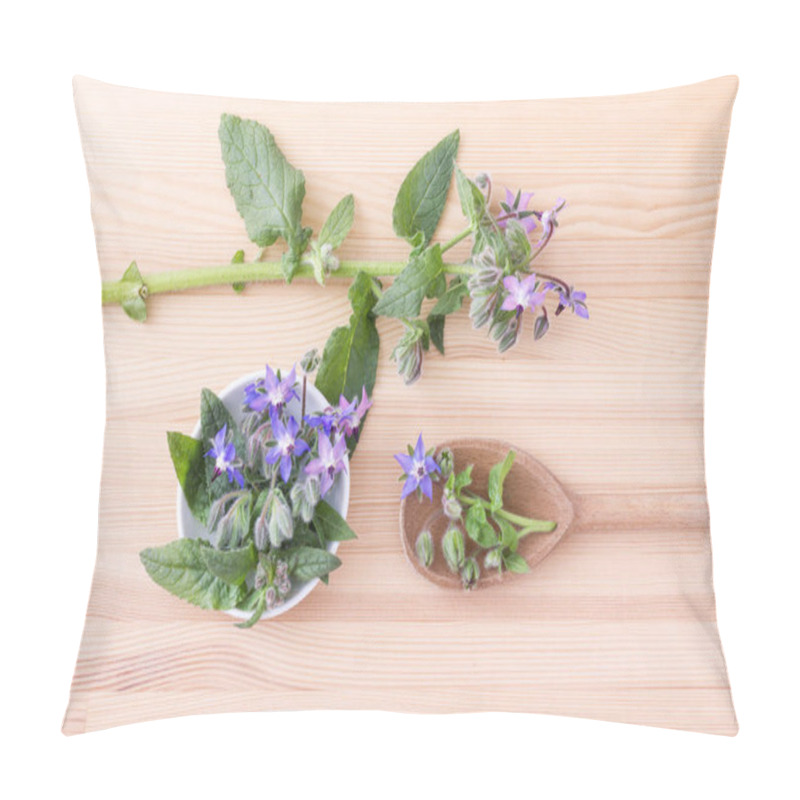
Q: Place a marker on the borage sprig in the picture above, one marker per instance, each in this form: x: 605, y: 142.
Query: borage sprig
x: 492, y: 531
x: 260, y: 490
x: 498, y: 278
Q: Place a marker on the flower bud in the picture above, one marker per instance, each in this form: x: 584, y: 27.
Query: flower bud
x: 408, y: 352
x: 271, y: 597
x: 481, y: 308
x: 453, y: 548
x: 310, y: 361
x: 470, y: 573
x: 450, y: 505
x: 445, y: 460
x: 505, y: 330
x: 280, y: 526
x: 261, y: 576
x: 484, y: 182
x: 305, y: 495
x: 424, y: 548
x: 494, y: 558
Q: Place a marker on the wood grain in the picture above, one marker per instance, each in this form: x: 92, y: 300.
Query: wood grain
x: 618, y: 623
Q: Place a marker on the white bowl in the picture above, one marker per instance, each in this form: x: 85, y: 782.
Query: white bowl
x: 338, y: 496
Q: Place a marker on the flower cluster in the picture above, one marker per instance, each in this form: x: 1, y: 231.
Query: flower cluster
x: 475, y: 528
x: 504, y: 285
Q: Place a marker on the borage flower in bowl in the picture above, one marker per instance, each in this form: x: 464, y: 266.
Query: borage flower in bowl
x: 263, y: 497
x: 474, y: 509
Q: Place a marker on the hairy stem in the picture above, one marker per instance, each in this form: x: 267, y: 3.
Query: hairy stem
x: 182, y: 279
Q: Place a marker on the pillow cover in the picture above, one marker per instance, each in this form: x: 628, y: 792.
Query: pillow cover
x: 618, y: 622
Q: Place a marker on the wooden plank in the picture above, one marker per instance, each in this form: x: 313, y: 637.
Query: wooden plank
x: 618, y: 623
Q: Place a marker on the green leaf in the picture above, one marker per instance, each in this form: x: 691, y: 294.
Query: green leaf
x: 463, y: 478
x: 497, y: 476
x: 473, y: 203
x: 231, y: 566
x: 436, y: 328
x: 134, y: 305
x: 515, y: 563
x: 509, y: 538
x: 478, y: 528
x: 258, y: 609
x: 306, y: 563
x: 179, y: 567
x: 330, y: 524
x: 423, y: 194
x: 187, y: 458
x: 267, y: 189
x: 238, y: 258
x: 404, y: 297
x: 306, y: 536
x: 338, y: 224
x: 350, y: 357
x: 213, y: 415
x: 452, y: 300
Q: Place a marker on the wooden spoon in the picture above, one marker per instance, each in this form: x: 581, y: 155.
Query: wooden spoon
x: 530, y: 490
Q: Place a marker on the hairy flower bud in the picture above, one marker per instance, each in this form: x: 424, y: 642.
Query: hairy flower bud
x: 409, y: 350
x: 280, y: 526
x: 305, y: 495
x: 484, y: 182
x: 450, y: 505
x: 271, y: 598
x: 445, y: 460
x: 310, y: 361
x: 453, y: 548
x: 424, y: 548
x: 261, y: 578
x: 470, y: 573
x: 505, y: 330
x: 494, y: 558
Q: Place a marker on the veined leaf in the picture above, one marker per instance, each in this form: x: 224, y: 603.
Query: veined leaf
x: 338, y: 224
x: 478, y: 527
x: 179, y: 567
x: 497, y: 476
x: 187, y: 458
x: 350, y: 357
x: 306, y: 563
x: 258, y: 609
x: 514, y: 562
x: 423, y: 194
x: 473, y: 203
x: 231, y: 566
x: 436, y: 329
x: 404, y: 297
x: 452, y: 300
x: 331, y: 525
x: 267, y: 189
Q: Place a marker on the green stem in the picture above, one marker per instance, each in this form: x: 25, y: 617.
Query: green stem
x: 196, y: 278
x: 456, y: 239
x: 527, y: 524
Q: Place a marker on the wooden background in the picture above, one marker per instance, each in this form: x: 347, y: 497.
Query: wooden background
x: 618, y: 623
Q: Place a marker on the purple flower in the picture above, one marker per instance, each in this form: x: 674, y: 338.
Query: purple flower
x: 332, y: 460
x: 330, y: 419
x: 522, y: 294
x: 418, y: 468
x: 516, y: 207
x: 287, y: 444
x: 574, y: 300
x: 270, y: 392
x: 225, y: 455
x: 349, y: 422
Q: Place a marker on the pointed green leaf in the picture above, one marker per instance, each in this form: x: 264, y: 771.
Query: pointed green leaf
x: 497, y: 476
x: 515, y: 563
x: 231, y: 566
x: 306, y: 563
x: 267, y: 189
x: 404, y: 297
x: 423, y: 194
x: 331, y: 525
x: 463, y: 478
x: 436, y: 328
x: 478, y: 527
x: 187, y: 458
x: 350, y: 357
x: 452, y: 300
x: 179, y: 567
x: 473, y: 203
x: 338, y: 224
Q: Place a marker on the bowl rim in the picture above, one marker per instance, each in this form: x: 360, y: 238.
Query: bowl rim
x: 307, y: 586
